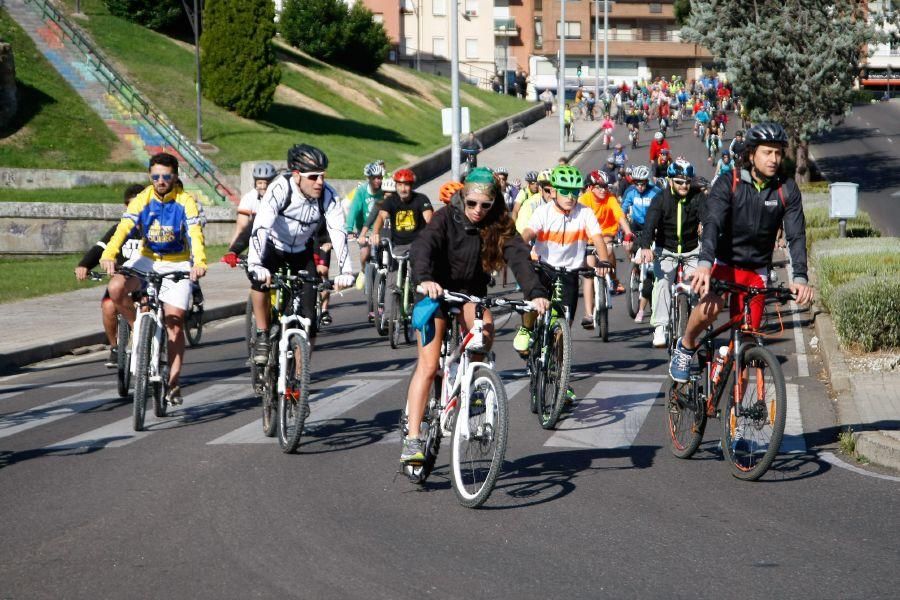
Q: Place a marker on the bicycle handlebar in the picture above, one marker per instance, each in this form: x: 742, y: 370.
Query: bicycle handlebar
x: 461, y: 298
x: 153, y: 277
x: 781, y: 293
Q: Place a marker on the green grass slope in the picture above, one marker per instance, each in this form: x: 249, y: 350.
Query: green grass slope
x: 394, y: 116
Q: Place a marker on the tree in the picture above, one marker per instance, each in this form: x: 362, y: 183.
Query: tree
x: 155, y: 14
x: 237, y: 62
x: 682, y: 9
x: 792, y: 61
x: 366, y: 42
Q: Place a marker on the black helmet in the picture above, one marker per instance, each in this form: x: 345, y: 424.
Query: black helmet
x: 766, y: 133
x: 306, y: 159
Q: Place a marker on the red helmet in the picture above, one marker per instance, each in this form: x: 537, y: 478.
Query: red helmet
x: 598, y: 178
x: 405, y: 176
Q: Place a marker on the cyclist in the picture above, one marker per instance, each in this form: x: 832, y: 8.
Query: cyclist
x: 620, y: 157
x: 509, y: 192
x: 735, y: 143
x: 673, y: 223
x: 635, y: 202
x: 742, y: 219
x: 611, y: 219
x: 658, y: 144
x: 528, y: 191
x: 610, y: 168
x: 567, y: 120
x: 457, y: 251
x: 284, y: 234
x: 661, y: 164
x: 701, y: 119
x: 560, y: 230
x: 168, y: 221
x: 607, y: 126
x: 363, y: 200
x: 713, y: 140
x: 91, y: 259
x: 263, y: 174
x: 724, y: 165
x: 528, y: 208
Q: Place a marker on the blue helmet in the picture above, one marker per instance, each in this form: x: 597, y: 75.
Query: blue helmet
x: 681, y: 168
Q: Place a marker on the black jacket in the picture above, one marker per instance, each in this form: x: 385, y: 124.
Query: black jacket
x: 740, y: 228
x: 448, y: 252
x: 662, y: 221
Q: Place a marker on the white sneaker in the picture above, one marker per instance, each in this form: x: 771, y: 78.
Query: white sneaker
x: 659, y: 336
x: 639, y: 316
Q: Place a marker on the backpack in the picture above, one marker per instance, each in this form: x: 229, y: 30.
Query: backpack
x: 735, y: 177
x: 290, y: 196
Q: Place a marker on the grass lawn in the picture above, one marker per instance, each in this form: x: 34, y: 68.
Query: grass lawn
x: 89, y: 194
x: 54, y: 127
x: 396, y: 116
x: 22, y: 278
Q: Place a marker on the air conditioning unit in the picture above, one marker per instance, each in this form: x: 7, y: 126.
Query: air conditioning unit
x: 471, y: 13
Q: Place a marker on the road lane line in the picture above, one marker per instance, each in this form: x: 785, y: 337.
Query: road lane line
x: 799, y: 343
x: 793, y: 440
x: 339, y: 398
x: 609, y: 417
x: 24, y: 420
x: 121, y: 433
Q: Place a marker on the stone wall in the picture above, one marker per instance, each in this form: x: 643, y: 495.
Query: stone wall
x: 8, y: 98
x: 34, y: 179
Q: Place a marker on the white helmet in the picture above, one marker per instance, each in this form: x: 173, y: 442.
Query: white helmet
x: 658, y: 136
x: 388, y: 184
x: 640, y: 173
x: 374, y: 169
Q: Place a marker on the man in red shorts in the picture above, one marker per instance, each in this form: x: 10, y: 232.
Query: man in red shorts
x: 744, y: 213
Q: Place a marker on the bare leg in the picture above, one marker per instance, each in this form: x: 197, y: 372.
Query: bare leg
x: 175, y: 331
x: 701, y: 317
x: 110, y: 322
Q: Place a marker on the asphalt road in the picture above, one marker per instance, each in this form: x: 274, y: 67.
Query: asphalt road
x: 865, y: 149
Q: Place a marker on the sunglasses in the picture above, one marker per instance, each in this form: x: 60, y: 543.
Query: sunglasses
x: 680, y: 181
x: 313, y: 176
x: 164, y: 176
x: 481, y: 205
x: 568, y: 193
x: 641, y: 183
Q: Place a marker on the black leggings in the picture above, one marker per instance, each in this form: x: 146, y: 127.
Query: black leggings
x: 570, y: 289
x: 303, y: 261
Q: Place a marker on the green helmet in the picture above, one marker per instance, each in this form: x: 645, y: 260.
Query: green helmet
x: 566, y: 179
x: 481, y: 175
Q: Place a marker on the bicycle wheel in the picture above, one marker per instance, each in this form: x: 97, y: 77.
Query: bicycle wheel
x: 293, y: 404
x: 683, y: 313
x: 249, y: 327
x: 142, y: 383
x: 394, y: 321
x: 431, y: 431
x: 536, y: 381
x: 685, y: 418
x: 370, y: 287
x: 601, y: 315
x: 381, y: 316
x: 634, y: 291
x: 753, y: 425
x: 270, y: 392
x: 123, y: 355
x: 557, y: 367
x: 193, y: 325
x: 476, y: 459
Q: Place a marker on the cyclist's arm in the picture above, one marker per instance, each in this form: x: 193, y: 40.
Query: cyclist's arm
x: 651, y: 222
x: 91, y: 258
x: 334, y: 222
x: 264, y: 220
x: 795, y: 233
x: 124, y: 228
x: 241, y: 238
x: 518, y: 256
x: 430, y: 242
x: 718, y: 212
x: 379, y: 223
x: 193, y: 224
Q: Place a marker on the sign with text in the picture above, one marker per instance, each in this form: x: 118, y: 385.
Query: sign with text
x: 447, y: 120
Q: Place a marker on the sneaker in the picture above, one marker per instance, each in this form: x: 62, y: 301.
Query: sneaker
x: 587, y: 322
x: 173, y: 396
x: 113, y: 360
x: 361, y: 281
x: 371, y: 317
x: 639, y: 316
x: 326, y: 318
x: 413, y: 450
x: 570, y: 396
x: 618, y: 288
x: 680, y: 365
x: 659, y: 336
x: 522, y: 341
x: 261, y: 348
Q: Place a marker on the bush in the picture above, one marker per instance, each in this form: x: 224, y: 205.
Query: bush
x: 155, y: 14
x: 861, y: 96
x: 843, y: 260
x: 238, y: 63
x: 866, y: 313
x: 329, y: 31
x: 819, y: 226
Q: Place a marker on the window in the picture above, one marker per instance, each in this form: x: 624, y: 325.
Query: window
x: 624, y: 32
x: 655, y: 8
x: 378, y: 17
x: 538, y: 4
x: 439, y: 8
x: 407, y: 6
x: 471, y: 7
x: 439, y: 47
x: 471, y: 47
x: 573, y: 30
x: 408, y: 47
x: 538, y: 32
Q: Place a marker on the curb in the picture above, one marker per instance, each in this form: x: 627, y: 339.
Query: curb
x: 583, y: 144
x: 11, y: 363
x: 878, y: 449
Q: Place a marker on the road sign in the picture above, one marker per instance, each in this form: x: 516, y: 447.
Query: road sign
x: 447, y: 122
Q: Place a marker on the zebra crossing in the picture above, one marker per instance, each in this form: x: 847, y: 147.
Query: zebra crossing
x: 609, y: 416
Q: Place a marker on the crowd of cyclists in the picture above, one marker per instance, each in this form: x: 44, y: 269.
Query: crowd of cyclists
x: 652, y: 212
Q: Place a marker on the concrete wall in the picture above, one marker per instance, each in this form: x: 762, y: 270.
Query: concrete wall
x: 33, y: 179
x: 51, y: 228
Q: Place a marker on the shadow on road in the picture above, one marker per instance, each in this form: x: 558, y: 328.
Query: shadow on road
x: 344, y: 433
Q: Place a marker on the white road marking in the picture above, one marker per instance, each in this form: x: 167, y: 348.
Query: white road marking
x: 53, y: 411
x: 609, y: 417
x: 890, y: 140
x: 799, y: 344
x: 832, y: 459
x: 793, y: 440
x: 338, y: 399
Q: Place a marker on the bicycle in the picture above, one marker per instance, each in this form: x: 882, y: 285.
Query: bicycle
x: 634, y: 136
x: 468, y: 404
x: 639, y: 274
x: 713, y: 146
x: 193, y: 320
x: 603, y: 288
x: 148, y: 360
x: 123, y: 348
x: 754, y: 414
x: 607, y: 138
x: 681, y: 302
x: 401, y: 302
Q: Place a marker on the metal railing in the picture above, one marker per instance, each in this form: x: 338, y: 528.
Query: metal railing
x: 116, y: 84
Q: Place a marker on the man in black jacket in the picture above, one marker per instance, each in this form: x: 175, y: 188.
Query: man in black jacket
x: 673, y: 222
x: 742, y: 219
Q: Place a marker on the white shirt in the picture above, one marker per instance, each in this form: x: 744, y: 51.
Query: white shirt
x: 561, y: 239
x: 249, y: 204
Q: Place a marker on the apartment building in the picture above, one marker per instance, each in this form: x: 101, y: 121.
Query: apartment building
x: 883, y: 67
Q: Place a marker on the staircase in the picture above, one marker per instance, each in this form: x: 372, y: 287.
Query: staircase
x: 131, y: 117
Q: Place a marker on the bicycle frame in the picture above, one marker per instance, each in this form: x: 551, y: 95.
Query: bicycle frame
x: 157, y: 313
x: 290, y: 321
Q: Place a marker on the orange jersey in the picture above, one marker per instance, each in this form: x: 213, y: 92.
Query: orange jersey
x: 608, y: 211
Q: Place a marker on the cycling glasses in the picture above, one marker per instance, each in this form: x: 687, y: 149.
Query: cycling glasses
x: 481, y: 205
x: 641, y: 182
x: 164, y: 176
x: 681, y: 181
x: 567, y: 192
x: 312, y: 176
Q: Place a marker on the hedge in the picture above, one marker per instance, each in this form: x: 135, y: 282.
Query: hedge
x: 866, y: 313
x: 842, y: 265
x: 819, y: 226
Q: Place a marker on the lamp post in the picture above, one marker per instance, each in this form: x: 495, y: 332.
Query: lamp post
x: 597, y: 50
x: 605, y: 46
x: 561, y: 85
x: 194, y: 20
x: 454, y: 89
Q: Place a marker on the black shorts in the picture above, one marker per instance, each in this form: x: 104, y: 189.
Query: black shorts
x: 570, y: 289
x: 274, y: 260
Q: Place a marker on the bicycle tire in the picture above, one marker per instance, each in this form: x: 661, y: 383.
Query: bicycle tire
x: 249, y: 326
x: 685, y: 418
x: 370, y: 287
x: 293, y: 409
x: 123, y: 354
x: 193, y: 326
x: 535, y: 382
x: 142, y: 373
x: 634, y: 291
x: 380, y: 313
x: 602, y: 315
x: 270, y: 392
x: 394, y: 321
x: 746, y: 416
x: 683, y: 314
x: 557, y: 369
x: 418, y: 474
x: 474, y: 478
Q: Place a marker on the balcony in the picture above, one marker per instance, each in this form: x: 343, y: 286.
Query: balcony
x: 641, y: 35
x: 505, y: 28
x: 633, y: 45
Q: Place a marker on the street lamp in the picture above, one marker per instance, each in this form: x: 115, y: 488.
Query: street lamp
x: 194, y: 20
x: 561, y: 84
x: 454, y: 89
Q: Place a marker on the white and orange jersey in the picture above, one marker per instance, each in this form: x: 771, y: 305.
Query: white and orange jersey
x: 560, y: 238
